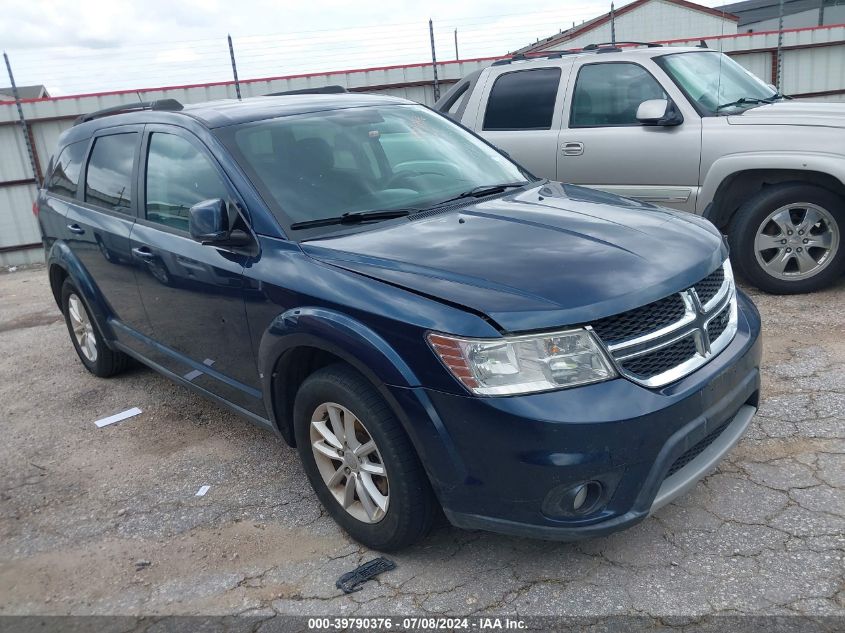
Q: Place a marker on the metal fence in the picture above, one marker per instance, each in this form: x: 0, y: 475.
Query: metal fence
x: 812, y: 65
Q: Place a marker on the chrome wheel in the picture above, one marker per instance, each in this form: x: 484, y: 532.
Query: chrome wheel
x: 83, y: 329
x: 796, y: 241
x: 349, y: 462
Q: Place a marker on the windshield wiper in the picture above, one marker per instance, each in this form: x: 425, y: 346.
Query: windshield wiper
x: 354, y: 217
x: 751, y: 101
x: 482, y: 190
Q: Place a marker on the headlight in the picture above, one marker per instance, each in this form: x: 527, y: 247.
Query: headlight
x: 523, y: 364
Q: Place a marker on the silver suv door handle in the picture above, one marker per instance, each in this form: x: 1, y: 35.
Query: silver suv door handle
x: 572, y: 149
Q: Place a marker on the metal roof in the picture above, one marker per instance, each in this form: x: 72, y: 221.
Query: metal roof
x: 752, y: 11
x: 24, y: 92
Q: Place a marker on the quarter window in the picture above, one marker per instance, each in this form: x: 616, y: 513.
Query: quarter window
x: 523, y: 100
x: 178, y: 176
x: 64, y: 181
x: 609, y: 94
x: 108, y: 180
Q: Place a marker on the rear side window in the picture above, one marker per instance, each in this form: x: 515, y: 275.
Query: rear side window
x: 523, y: 100
x: 178, y: 176
x: 108, y: 180
x: 64, y: 180
x: 609, y: 94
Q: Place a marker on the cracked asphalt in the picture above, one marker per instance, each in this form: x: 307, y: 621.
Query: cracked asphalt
x: 105, y: 521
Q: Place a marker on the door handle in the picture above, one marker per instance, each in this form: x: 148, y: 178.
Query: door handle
x: 143, y: 252
x: 75, y: 228
x: 572, y: 149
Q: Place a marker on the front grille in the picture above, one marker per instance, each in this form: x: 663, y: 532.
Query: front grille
x: 667, y: 339
x: 661, y: 360
x: 696, y: 450
x: 709, y: 287
x: 719, y: 324
x: 640, y: 321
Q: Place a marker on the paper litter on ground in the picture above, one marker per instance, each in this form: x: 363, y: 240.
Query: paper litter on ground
x: 201, y: 492
x: 117, y: 417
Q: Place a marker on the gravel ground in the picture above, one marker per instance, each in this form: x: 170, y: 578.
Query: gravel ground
x: 105, y: 521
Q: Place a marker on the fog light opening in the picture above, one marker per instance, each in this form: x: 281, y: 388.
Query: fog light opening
x: 584, y: 497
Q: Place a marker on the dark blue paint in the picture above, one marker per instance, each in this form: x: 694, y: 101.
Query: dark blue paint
x: 547, y: 257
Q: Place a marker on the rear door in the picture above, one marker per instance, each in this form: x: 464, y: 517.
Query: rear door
x: 193, y: 294
x: 99, y: 220
x: 603, y: 145
x: 520, y: 112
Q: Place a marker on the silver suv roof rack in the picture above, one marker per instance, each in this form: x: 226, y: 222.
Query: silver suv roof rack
x: 614, y: 46
x: 519, y: 57
x: 167, y: 105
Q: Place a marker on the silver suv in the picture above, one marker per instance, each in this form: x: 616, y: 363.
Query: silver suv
x: 683, y: 127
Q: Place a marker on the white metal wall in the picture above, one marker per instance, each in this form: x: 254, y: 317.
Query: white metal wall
x: 656, y: 20
x: 805, y: 70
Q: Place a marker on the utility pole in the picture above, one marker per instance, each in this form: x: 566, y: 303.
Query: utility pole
x: 779, y: 73
x: 434, y: 60
x: 36, y: 171
x: 612, y: 24
x: 234, y: 68
x: 457, y: 57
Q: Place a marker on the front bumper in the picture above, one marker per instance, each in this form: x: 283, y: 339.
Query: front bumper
x: 500, y: 464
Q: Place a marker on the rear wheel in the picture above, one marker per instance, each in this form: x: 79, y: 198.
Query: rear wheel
x: 360, y: 461
x: 86, y: 338
x: 788, y: 238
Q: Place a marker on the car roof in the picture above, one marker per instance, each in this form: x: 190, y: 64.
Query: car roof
x: 215, y: 114
x: 566, y: 58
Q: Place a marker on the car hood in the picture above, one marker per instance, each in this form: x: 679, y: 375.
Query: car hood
x: 545, y: 257
x: 793, y: 112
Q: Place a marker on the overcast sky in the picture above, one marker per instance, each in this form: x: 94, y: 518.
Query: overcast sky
x: 95, y: 45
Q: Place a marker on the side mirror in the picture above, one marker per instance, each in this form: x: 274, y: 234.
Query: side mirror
x: 659, y: 112
x: 208, y: 223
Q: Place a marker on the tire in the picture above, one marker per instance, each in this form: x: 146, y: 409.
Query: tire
x: 766, y: 221
x: 103, y: 362
x: 410, y: 502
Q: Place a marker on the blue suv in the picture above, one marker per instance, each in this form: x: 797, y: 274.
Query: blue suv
x: 430, y: 325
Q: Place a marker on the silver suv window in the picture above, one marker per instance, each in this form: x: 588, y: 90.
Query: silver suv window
x: 523, y: 100
x: 609, y: 94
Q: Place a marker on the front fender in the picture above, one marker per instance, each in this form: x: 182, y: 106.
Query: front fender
x: 62, y: 256
x: 338, y: 334
x: 728, y: 165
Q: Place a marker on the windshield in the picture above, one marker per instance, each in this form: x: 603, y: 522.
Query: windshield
x: 711, y: 79
x: 326, y: 164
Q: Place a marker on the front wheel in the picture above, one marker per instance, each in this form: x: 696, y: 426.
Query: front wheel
x: 360, y: 461
x: 787, y: 239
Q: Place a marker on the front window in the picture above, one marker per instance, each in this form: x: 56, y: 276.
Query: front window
x: 714, y: 82
x: 325, y: 164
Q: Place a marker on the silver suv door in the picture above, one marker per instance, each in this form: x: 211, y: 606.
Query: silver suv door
x: 602, y: 144
x: 521, y: 114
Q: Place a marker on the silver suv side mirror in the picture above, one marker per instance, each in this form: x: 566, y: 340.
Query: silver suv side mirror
x: 659, y: 112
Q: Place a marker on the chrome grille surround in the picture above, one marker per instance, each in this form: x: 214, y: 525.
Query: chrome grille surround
x: 693, y: 327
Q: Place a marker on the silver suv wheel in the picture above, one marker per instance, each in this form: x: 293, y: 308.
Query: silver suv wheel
x: 796, y: 241
x: 349, y: 462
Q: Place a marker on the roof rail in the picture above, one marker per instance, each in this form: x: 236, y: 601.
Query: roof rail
x: 321, y: 90
x: 614, y: 45
x: 167, y: 105
x: 519, y: 57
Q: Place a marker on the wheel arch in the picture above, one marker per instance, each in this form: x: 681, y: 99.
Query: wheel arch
x: 301, y: 341
x: 738, y: 186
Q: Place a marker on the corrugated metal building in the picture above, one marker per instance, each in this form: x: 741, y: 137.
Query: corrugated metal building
x: 642, y: 21
x: 764, y: 15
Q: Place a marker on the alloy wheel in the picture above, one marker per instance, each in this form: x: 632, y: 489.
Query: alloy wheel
x: 83, y: 329
x: 349, y: 462
x: 796, y: 241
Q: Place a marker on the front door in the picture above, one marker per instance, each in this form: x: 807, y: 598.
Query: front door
x: 603, y: 145
x: 193, y: 294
